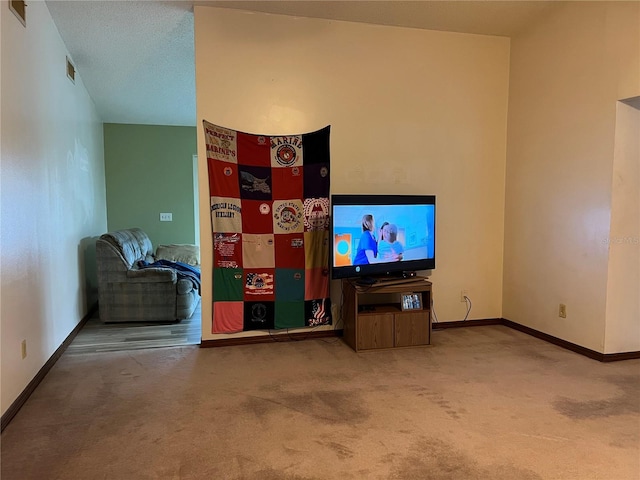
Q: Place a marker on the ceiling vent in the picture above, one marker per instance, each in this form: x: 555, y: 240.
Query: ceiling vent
x: 19, y: 9
x: 71, y: 71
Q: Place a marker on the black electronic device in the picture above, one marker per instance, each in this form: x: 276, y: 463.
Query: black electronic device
x: 382, y: 235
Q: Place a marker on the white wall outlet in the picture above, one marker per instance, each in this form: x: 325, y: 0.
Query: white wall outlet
x: 166, y: 217
x: 463, y: 294
x: 23, y: 349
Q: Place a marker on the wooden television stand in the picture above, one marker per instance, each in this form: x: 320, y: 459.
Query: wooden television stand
x: 369, y: 325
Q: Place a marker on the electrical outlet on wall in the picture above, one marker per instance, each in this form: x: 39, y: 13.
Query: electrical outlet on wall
x: 562, y: 311
x: 166, y: 217
x: 463, y: 294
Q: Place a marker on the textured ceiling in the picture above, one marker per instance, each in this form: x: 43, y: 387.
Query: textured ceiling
x: 136, y: 58
x: 504, y: 18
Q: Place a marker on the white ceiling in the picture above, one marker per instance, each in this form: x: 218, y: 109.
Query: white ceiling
x: 136, y: 58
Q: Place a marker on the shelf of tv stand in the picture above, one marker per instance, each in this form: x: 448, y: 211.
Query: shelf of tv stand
x: 371, y: 325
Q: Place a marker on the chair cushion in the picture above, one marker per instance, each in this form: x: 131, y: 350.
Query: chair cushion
x: 184, y: 253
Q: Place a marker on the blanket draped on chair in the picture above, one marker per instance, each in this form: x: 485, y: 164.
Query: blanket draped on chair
x: 270, y: 225
x: 183, y: 270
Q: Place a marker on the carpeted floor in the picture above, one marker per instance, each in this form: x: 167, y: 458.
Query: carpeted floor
x: 481, y: 403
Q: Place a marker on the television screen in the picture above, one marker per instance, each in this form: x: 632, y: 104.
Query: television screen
x: 375, y: 235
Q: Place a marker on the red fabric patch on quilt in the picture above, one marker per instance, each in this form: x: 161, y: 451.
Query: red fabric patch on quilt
x: 317, y: 283
x: 290, y: 251
x: 257, y: 216
x: 223, y: 178
x: 227, y: 317
x: 287, y: 183
x: 227, y: 250
x: 254, y: 149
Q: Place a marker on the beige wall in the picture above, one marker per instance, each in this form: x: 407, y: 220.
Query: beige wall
x: 622, y: 41
x: 412, y: 111
x: 622, y: 332
x: 567, y: 72
x: 53, y: 196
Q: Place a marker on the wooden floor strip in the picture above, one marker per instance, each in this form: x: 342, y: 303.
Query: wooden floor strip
x: 96, y: 336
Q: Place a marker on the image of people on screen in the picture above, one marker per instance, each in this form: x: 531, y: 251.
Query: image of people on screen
x: 389, y: 248
x: 368, y: 245
x: 374, y: 234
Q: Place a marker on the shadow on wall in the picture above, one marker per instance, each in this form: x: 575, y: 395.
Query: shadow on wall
x: 88, y: 270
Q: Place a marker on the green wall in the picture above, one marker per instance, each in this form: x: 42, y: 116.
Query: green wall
x: 149, y: 170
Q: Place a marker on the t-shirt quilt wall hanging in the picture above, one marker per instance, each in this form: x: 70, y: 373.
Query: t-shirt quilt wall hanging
x: 270, y: 225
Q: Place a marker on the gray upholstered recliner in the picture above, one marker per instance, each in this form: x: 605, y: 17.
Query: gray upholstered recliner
x: 127, y: 293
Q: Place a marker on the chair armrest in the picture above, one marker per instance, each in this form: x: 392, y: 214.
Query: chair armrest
x: 152, y: 275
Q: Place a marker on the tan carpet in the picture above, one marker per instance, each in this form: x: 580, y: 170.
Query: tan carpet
x: 481, y: 403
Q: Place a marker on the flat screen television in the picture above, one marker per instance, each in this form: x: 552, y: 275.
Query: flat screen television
x: 376, y: 235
